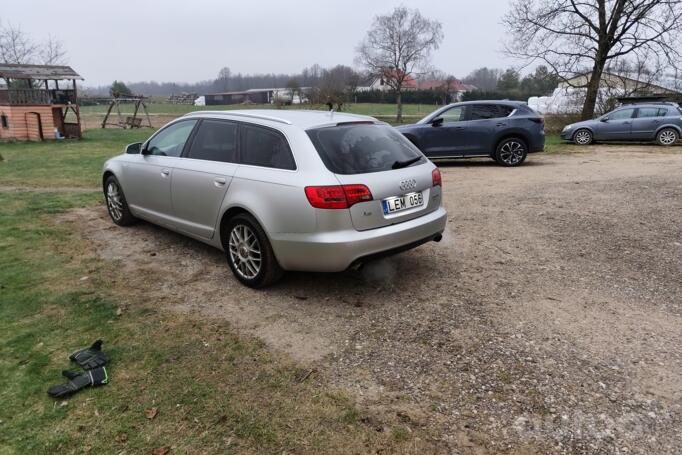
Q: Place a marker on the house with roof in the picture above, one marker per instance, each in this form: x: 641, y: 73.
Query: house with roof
x: 379, y: 83
x: 453, y: 88
x: 33, y: 105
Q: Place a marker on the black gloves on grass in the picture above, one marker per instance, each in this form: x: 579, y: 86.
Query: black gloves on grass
x: 89, y: 358
x: 92, y: 361
x: 79, y: 380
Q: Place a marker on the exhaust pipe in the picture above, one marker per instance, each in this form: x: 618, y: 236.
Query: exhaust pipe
x: 438, y: 238
x: 357, y: 265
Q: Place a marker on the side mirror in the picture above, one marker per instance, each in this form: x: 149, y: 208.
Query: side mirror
x: 134, y: 149
x: 604, y: 119
x: 438, y: 121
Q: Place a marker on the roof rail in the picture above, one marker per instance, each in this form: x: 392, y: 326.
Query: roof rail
x: 242, y: 114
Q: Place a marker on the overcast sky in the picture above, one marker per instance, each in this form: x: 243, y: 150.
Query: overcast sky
x: 190, y: 40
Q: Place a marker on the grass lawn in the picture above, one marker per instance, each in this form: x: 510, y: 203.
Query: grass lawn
x: 215, y: 391
x: 412, y: 111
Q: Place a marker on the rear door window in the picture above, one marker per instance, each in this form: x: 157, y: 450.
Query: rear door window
x: 265, y: 147
x: 647, y: 112
x: 483, y: 112
x: 504, y: 110
x: 363, y: 148
x: 215, y: 140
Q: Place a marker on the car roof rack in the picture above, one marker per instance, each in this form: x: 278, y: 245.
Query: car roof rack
x: 242, y: 114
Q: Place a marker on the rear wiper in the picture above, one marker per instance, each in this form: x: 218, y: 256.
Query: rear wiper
x: 402, y: 164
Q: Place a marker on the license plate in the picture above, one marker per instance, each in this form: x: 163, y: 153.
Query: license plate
x: 398, y: 203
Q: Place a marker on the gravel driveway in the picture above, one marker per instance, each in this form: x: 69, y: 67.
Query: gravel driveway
x: 548, y: 320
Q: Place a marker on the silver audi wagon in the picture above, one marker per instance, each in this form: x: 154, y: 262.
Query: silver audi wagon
x: 281, y: 190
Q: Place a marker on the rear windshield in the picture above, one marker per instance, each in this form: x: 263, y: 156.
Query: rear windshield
x: 364, y: 148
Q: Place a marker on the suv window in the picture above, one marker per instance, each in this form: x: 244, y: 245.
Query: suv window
x: 215, y: 141
x: 504, y: 110
x: 171, y: 140
x: 645, y: 112
x: 621, y: 114
x: 488, y: 111
x: 454, y: 114
x: 265, y: 147
x: 363, y: 148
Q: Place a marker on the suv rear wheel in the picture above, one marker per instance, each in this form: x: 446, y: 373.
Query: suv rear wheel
x: 511, y: 152
x: 249, y: 253
x: 667, y: 137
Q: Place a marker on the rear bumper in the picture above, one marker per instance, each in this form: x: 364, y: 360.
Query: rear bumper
x: 338, y: 250
x: 537, y: 144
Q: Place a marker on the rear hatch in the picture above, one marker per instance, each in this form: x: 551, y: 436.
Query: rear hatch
x: 398, y: 176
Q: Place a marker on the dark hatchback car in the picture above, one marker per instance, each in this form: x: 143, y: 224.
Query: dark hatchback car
x: 505, y: 131
x: 659, y: 122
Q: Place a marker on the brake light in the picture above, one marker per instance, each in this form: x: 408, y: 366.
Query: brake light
x: 436, y: 177
x: 337, y: 196
x: 539, y: 120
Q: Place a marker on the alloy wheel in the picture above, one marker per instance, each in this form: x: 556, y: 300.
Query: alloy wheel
x: 667, y: 137
x: 583, y: 137
x: 114, y: 202
x: 512, y: 153
x: 245, y: 251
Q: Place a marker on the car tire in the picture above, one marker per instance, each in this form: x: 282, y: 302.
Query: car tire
x: 511, y: 152
x: 667, y: 137
x: 583, y: 137
x: 117, y: 206
x: 249, y: 253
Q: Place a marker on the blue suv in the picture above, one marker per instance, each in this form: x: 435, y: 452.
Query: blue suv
x: 658, y: 122
x: 505, y: 131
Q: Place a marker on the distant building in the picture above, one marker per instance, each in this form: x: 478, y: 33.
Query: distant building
x: 254, y: 96
x: 626, y: 83
x: 454, y: 87
x: 380, y: 84
x: 569, y: 96
x: 34, y: 107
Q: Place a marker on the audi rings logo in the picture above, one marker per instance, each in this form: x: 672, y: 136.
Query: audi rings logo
x: 408, y: 184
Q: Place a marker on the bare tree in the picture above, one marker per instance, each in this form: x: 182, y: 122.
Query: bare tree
x: 15, y: 46
x: 583, y: 36
x: 52, y: 52
x: 223, y: 79
x: 484, y: 79
x: 397, y: 46
x: 18, y: 48
x: 336, y: 85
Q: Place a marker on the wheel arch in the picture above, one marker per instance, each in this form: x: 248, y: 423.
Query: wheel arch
x: 517, y: 134
x: 108, y: 173
x: 588, y: 128
x: 229, y: 214
x: 666, y: 126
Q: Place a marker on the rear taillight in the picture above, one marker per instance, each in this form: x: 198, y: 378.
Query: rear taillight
x: 436, y: 178
x: 539, y: 120
x: 337, y: 196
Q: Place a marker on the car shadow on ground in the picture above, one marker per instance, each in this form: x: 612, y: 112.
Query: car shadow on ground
x: 379, y: 276
x: 482, y: 163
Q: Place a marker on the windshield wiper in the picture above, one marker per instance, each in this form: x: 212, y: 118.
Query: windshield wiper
x: 402, y: 164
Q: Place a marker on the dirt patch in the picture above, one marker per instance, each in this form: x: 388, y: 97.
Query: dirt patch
x: 548, y: 320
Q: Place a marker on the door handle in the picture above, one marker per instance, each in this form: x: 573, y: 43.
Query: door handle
x: 165, y: 172
x: 219, y: 181
x: 501, y: 124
